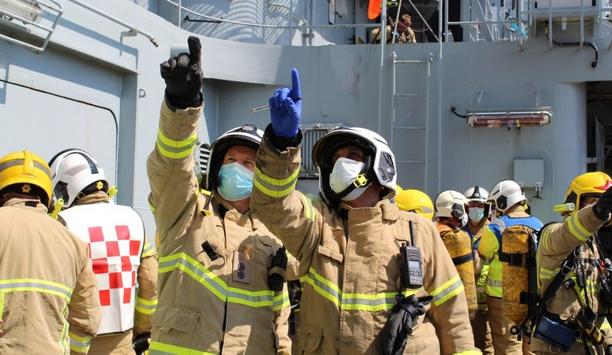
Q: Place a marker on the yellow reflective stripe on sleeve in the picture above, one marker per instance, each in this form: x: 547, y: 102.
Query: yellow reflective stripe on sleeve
x: 79, y: 344
x: 64, y: 336
x: 320, y: 286
x: 371, y: 302
x: 1, y: 304
x: 275, y: 187
x: 576, y: 228
x: 157, y: 348
x: 308, y: 209
x: 35, y: 285
x: 351, y: 301
x: 175, y: 149
x: 281, y: 301
x: 146, y: 306
x: 218, y: 287
x: 148, y: 250
x: 605, y: 325
x: 545, y: 238
x: 447, y: 290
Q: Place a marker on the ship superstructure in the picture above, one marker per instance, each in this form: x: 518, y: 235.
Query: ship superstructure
x: 513, y: 89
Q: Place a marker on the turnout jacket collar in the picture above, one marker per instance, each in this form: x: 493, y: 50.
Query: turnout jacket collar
x: 26, y: 203
x: 243, y: 220
x: 384, y: 209
x: 96, y: 197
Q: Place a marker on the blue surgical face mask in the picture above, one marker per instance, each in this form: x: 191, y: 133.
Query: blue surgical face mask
x: 235, y: 182
x: 476, y: 214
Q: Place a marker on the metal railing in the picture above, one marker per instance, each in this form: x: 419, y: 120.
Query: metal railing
x: 53, y: 7
x: 514, y: 23
x: 132, y: 30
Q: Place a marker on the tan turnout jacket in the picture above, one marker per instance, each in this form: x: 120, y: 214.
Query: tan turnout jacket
x: 350, y: 269
x: 48, y: 293
x: 213, y: 265
x: 556, y: 242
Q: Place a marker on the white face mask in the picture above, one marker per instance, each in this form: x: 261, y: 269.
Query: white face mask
x: 476, y: 214
x: 344, y: 173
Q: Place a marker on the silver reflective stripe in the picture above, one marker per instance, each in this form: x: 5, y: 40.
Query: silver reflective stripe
x: 495, y: 283
x: 32, y: 285
x: 17, y: 162
x: 209, y: 281
x: 175, y: 150
x: 275, y: 187
x: 252, y: 299
x: 280, y: 300
x: 328, y: 290
x: 388, y: 300
x: 448, y: 290
x: 11, y: 163
x: 262, y: 298
x: 43, y: 168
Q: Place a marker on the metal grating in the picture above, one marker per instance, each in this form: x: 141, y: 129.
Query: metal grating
x: 311, y: 134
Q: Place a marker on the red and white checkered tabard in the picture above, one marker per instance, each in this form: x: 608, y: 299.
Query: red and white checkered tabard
x: 116, y: 239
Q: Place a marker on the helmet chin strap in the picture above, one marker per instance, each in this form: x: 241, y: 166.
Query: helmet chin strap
x: 355, y: 193
x: 360, y: 184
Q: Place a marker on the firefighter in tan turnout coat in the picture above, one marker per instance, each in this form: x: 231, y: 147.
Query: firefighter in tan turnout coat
x: 348, y: 244
x: 218, y: 266
x: 48, y: 294
x: 573, y: 266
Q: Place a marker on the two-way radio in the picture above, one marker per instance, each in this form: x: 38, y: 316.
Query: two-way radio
x: 411, y: 263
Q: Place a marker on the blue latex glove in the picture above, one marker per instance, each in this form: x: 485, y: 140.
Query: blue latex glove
x: 286, y: 108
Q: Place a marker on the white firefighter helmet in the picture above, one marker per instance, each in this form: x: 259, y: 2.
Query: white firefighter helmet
x: 379, y: 161
x: 73, y: 171
x: 247, y: 135
x: 451, y: 204
x: 506, y: 194
x: 477, y: 193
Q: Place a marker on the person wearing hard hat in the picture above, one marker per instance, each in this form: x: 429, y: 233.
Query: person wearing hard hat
x: 451, y: 216
x: 221, y: 279
x: 574, y: 271
x: 479, y: 209
x: 416, y: 201
x: 124, y: 262
x: 48, y: 294
x: 511, y: 204
x: 349, y: 245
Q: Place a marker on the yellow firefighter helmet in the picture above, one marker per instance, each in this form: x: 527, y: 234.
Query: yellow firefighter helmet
x: 593, y: 183
x: 415, y: 201
x: 27, y: 173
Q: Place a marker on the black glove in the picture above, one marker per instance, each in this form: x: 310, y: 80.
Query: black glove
x: 276, y: 274
x: 394, y: 335
x: 603, y: 206
x: 140, y: 342
x: 183, y: 76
